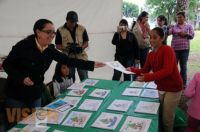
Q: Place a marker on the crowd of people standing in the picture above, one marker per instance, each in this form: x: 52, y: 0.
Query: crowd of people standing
x: 140, y: 49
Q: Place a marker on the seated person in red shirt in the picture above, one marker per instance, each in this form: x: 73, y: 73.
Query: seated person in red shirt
x: 161, y: 67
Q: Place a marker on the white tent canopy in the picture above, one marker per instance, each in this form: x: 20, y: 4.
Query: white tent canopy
x: 100, y: 17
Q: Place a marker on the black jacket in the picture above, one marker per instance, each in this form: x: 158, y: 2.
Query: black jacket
x: 128, y: 47
x: 25, y: 60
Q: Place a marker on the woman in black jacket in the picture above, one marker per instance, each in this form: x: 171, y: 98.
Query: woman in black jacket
x: 27, y: 63
x: 127, y: 50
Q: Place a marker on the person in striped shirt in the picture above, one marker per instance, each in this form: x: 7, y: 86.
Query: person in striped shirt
x: 182, y: 32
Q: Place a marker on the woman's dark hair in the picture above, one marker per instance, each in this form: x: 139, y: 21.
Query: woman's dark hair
x: 40, y: 24
x: 159, y: 31
x: 182, y: 13
x: 142, y: 15
x: 123, y: 21
x: 163, y: 18
x: 58, y: 74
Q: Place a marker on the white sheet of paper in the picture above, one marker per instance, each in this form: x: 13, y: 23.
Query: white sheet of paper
x: 151, y: 85
x: 135, y: 124
x: 137, y: 84
x: 75, y: 92
x: 107, y: 121
x: 77, y: 119
x: 90, y: 82
x: 72, y: 100
x: 150, y: 93
x: 132, y: 92
x: 30, y: 128
x: 77, y: 86
x: 147, y: 107
x: 117, y: 66
x: 90, y: 104
x: 120, y: 105
x: 100, y: 93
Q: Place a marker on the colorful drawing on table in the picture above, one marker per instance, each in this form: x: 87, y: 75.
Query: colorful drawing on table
x: 147, y: 107
x: 135, y: 124
x: 149, y: 93
x: 77, y: 86
x: 16, y: 130
x: 76, y: 92
x: 35, y: 128
x: 120, y: 105
x: 90, y: 82
x: 107, y: 121
x: 72, y: 100
x: 77, y: 119
x: 137, y: 84
x: 44, y: 116
x: 118, y: 66
x: 58, y: 131
x: 100, y: 93
x: 90, y: 104
x: 132, y: 92
x: 59, y: 105
x: 151, y: 85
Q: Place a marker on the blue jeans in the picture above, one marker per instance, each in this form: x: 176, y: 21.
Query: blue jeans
x: 143, y: 56
x: 182, y: 59
x: 117, y: 74
x: 83, y: 74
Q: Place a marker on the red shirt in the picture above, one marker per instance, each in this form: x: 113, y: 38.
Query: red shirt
x: 164, y: 69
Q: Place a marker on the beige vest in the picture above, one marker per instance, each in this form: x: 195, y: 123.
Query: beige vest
x: 67, y: 39
x: 143, y: 43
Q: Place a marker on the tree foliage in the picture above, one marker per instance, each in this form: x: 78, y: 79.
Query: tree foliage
x: 168, y: 8
x: 130, y: 10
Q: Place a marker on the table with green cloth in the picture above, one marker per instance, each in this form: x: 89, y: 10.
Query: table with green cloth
x: 117, y: 88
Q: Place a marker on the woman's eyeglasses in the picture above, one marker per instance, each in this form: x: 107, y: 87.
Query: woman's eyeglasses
x: 49, y: 32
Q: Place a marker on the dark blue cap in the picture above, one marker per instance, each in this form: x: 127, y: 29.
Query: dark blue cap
x: 72, y: 16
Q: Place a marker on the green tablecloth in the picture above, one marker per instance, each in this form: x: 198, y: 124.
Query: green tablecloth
x: 116, y: 88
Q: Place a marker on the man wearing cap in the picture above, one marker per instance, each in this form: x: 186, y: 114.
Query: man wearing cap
x: 72, y: 39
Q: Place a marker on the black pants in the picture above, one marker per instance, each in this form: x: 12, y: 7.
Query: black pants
x: 126, y: 62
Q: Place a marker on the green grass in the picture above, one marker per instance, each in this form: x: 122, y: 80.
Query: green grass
x: 195, y: 43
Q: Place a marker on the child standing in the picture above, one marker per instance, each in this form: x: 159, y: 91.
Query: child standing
x: 161, y: 67
x: 61, y: 79
x: 193, y: 92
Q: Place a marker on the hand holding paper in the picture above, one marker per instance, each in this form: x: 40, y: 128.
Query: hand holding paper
x: 117, y: 66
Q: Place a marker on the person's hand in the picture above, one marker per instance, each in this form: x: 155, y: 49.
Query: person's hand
x: 99, y: 64
x: 137, y: 61
x: 128, y: 68
x: 182, y: 34
x: 28, y: 82
x: 140, y: 78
